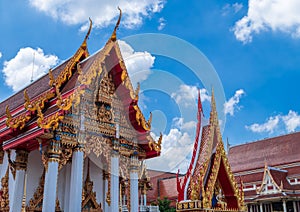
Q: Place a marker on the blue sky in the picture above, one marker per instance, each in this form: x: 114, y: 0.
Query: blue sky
x: 252, y: 45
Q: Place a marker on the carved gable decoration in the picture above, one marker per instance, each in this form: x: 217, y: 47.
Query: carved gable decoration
x: 268, y: 185
x: 89, y: 201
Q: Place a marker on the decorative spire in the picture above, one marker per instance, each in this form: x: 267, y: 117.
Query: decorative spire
x: 213, y: 101
x: 114, y: 34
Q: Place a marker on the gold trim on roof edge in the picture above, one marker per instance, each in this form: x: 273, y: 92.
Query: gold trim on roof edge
x: 39, y: 103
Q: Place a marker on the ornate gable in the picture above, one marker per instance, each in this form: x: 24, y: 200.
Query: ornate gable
x: 268, y: 185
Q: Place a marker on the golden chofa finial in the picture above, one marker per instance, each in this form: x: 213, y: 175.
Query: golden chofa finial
x: 87, y: 34
x: 114, y: 34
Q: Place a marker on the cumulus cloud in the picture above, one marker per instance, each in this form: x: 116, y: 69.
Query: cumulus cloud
x: 187, y: 95
x: 19, y: 71
x: 102, y: 12
x: 177, y: 146
x: 269, y: 126
x: 0, y: 55
x: 290, y: 122
x: 232, y: 104
x: 162, y: 24
x: 266, y: 15
x: 138, y: 64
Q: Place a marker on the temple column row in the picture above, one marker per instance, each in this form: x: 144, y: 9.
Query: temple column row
x: 51, y: 177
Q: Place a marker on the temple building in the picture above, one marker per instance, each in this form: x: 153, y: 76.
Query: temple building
x: 209, y: 184
x: 270, y: 172
x: 75, y: 139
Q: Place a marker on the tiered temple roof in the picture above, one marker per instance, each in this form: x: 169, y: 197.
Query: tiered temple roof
x: 45, y: 104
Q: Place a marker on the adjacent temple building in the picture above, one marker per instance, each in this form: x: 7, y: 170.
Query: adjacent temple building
x: 270, y: 171
x: 266, y: 172
x: 76, y: 139
x: 209, y: 184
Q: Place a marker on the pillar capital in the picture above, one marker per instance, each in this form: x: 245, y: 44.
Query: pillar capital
x: 21, y: 159
x: 114, y: 153
x: 54, y: 150
x: 79, y: 148
x: 134, y: 164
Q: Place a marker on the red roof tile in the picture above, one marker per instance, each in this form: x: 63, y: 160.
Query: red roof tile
x: 275, y: 151
x: 34, y: 89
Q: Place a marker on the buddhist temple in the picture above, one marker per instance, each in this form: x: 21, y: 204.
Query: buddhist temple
x: 270, y: 172
x: 209, y: 184
x: 75, y: 139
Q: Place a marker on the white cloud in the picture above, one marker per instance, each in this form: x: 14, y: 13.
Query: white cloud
x: 232, y: 104
x: 19, y: 70
x: 138, y: 64
x: 291, y: 121
x: 269, y: 126
x: 162, y: 24
x: 188, y: 127
x: 102, y: 12
x: 231, y: 8
x: 237, y: 7
x: 263, y: 15
x: 177, y: 146
x: 0, y: 55
x: 188, y: 95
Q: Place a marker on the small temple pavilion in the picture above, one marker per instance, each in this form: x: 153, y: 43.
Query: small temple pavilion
x: 270, y: 171
x: 209, y: 184
x: 75, y: 139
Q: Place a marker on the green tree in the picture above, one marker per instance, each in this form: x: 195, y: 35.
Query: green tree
x: 164, y: 205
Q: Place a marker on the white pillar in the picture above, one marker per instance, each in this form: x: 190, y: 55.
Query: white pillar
x: 76, y: 180
x: 134, y: 185
x: 20, y: 168
x: 261, y: 207
x: 250, y: 207
x: 284, y: 205
x: 54, y: 151
x: 145, y: 199
x: 49, y: 200
x: 105, y: 189
x: 114, y: 177
x: 67, y: 187
x: 294, y: 206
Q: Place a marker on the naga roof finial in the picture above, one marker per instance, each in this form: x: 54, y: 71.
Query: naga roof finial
x: 88, y: 33
x: 114, y: 34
